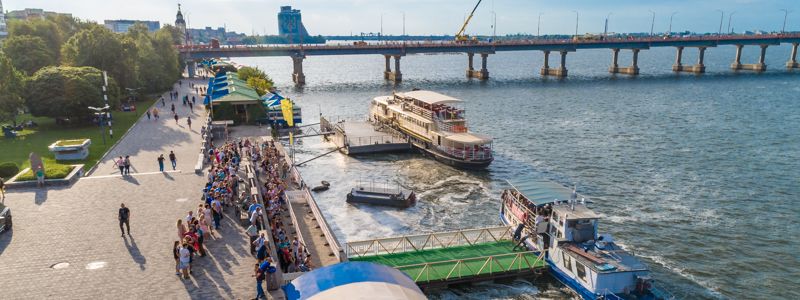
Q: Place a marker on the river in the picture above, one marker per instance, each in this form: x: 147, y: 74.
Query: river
x: 698, y: 175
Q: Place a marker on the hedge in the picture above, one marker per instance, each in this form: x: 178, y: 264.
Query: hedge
x: 51, y: 171
x: 8, y: 170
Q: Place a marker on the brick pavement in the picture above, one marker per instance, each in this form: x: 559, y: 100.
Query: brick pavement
x: 78, y: 225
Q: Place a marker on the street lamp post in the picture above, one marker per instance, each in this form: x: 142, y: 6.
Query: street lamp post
x: 785, y: 15
x: 721, y: 17
x: 577, y: 18
x: 730, y: 17
x: 670, y: 22
x: 652, y: 22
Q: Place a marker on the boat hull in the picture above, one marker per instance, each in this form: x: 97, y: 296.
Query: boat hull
x: 458, y: 163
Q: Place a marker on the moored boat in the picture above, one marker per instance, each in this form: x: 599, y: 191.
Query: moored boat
x: 549, y: 217
x: 436, y: 125
x: 370, y: 194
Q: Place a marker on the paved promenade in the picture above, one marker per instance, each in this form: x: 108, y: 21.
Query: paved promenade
x: 78, y: 225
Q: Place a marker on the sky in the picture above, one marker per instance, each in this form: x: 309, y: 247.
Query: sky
x: 425, y: 17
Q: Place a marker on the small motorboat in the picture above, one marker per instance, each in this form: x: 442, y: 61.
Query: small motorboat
x: 321, y: 188
x: 382, y: 196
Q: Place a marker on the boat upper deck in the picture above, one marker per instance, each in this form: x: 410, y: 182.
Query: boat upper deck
x: 610, y: 259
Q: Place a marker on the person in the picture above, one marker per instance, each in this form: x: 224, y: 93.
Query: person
x: 148, y: 115
x: 521, y: 243
x: 173, y: 108
x: 518, y: 231
x: 120, y: 163
x: 127, y: 164
x: 39, y: 176
x: 189, y: 121
x: 191, y: 106
x: 181, y: 229
x: 155, y: 113
x: 260, y: 275
x: 261, y: 247
x: 252, y: 231
x: 184, y: 257
x: 176, y: 254
x: 176, y: 118
x: 160, y: 162
x: 162, y: 102
x: 124, y: 218
x: 2, y: 190
x: 173, y: 159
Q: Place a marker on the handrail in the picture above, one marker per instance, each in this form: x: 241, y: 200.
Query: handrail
x: 487, y: 267
x: 421, y: 242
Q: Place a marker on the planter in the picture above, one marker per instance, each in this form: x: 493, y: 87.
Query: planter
x: 77, y: 173
x: 71, y: 149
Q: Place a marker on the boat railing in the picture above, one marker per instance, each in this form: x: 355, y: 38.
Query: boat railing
x: 608, y: 295
x: 476, y: 266
x: 467, y: 154
x: 443, y: 125
x: 418, y: 110
x: 375, y: 140
x: 429, y: 241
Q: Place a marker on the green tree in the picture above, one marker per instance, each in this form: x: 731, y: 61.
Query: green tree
x: 98, y: 47
x: 68, y: 92
x: 164, y: 46
x: 261, y: 85
x: 11, y: 88
x: 28, y: 53
x: 256, y: 79
x: 46, y: 29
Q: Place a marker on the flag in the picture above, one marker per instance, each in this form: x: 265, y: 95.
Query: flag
x: 291, y: 139
x: 288, y: 115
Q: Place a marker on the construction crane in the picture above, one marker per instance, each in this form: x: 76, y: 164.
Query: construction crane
x: 460, y: 36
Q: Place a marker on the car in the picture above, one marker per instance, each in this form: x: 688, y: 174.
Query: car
x: 5, y: 218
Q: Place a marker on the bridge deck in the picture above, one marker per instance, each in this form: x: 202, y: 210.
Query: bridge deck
x: 459, y: 262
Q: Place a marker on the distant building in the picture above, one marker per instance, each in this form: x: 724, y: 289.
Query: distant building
x: 32, y: 14
x: 290, y: 24
x: 204, y: 35
x: 3, y: 27
x: 121, y: 26
x: 180, y: 23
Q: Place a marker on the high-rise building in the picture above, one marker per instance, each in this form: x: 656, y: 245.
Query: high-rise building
x: 180, y: 23
x: 121, y: 26
x: 3, y: 27
x: 290, y: 24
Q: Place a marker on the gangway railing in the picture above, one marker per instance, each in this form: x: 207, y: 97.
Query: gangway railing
x: 471, y: 267
x: 429, y: 241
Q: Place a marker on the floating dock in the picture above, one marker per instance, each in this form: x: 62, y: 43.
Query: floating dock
x: 437, y: 260
x: 358, y: 136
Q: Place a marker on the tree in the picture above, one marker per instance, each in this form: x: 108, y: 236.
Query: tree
x: 11, y: 88
x: 67, y: 92
x: 256, y: 79
x: 28, y: 53
x: 98, y: 47
x: 47, y: 30
x: 261, y: 85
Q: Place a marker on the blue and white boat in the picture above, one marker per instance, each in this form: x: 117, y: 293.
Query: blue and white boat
x: 549, y: 217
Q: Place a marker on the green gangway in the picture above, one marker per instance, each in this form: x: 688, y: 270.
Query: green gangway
x: 449, y: 257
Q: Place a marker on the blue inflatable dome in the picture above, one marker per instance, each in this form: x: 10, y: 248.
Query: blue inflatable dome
x: 353, y: 280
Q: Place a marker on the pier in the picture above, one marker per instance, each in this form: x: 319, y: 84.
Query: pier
x: 396, y: 50
x: 357, y: 135
x: 437, y: 260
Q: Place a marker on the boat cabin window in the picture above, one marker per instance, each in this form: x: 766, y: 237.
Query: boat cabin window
x: 567, y: 260
x: 580, y: 270
x: 580, y: 231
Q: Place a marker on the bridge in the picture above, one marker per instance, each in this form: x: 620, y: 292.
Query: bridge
x: 440, y: 259
x: 397, y: 50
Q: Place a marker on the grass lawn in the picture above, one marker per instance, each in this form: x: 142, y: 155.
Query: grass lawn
x: 37, y: 139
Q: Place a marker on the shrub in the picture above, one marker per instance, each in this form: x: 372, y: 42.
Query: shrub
x: 8, y: 170
x: 51, y: 171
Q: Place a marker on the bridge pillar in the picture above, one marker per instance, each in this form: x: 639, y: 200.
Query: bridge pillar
x: 395, y: 75
x: 697, y: 68
x: 561, y: 71
x: 614, y: 59
x: 483, y: 73
x: 298, y: 77
x: 758, y: 67
x: 191, y: 68
x: 632, y: 70
x: 792, y: 63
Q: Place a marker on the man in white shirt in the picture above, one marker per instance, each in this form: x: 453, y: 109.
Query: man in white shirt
x: 184, y: 260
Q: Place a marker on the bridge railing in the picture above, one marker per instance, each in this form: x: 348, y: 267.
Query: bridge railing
x: 471, y: 267
x: 429, y: 241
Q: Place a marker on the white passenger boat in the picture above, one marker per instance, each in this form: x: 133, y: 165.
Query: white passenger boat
x: 549, y: 217
x: 436, y: 125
